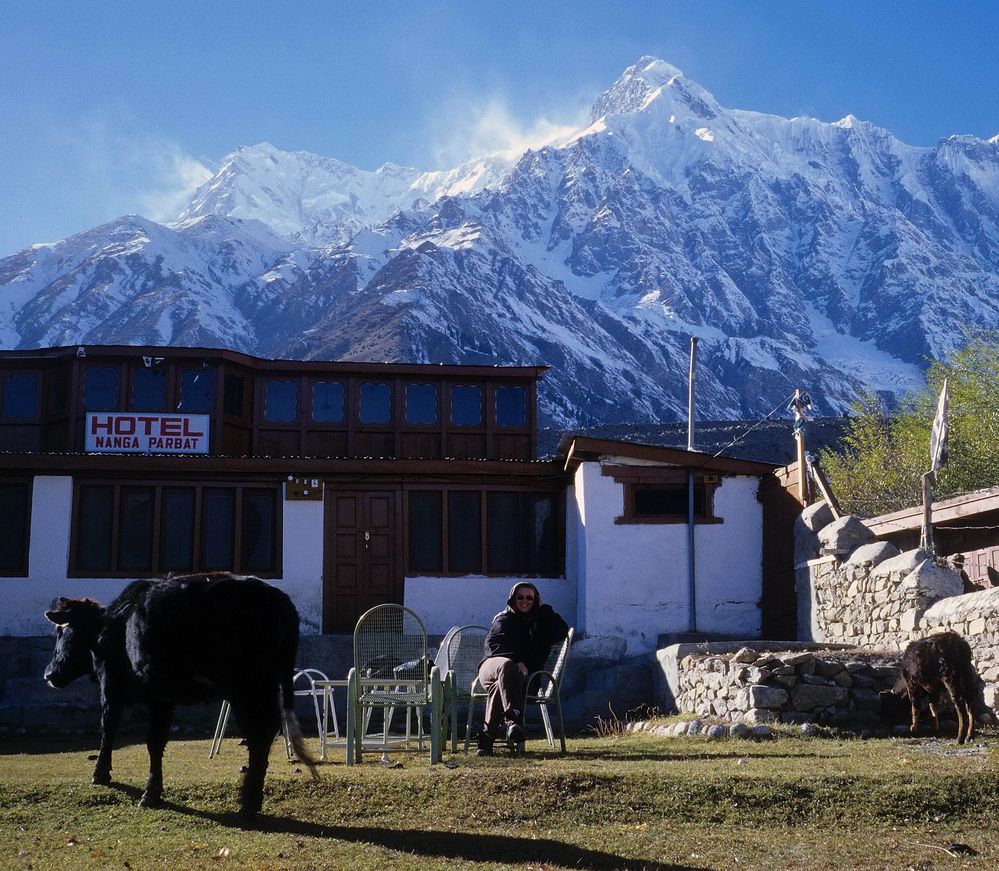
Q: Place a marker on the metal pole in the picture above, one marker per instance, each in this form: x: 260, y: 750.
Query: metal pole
x: 691, y: 554
x: 690, y: 394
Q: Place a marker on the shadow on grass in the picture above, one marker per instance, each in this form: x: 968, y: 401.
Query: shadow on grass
x: 473, y: 847
x: 667, y: 757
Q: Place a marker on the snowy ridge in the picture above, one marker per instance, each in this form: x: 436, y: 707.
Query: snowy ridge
x: 829, y: 256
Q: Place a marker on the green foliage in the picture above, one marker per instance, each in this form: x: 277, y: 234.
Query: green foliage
x: 885, y: 456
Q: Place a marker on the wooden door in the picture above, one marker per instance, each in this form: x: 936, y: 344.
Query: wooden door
x: 362, y: 563
x: 779, y: 600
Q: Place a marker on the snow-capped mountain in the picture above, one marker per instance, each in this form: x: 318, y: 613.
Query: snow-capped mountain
x: 828, y: 256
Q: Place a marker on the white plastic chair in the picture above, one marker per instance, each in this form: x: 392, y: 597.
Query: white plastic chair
x: 322, y: 704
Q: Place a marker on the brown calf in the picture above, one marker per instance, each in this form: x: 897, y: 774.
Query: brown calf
x: 932, y: 665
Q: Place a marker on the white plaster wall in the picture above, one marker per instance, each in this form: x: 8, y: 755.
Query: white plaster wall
x: 445, y: 602
x: 302, y: 577
x: 634, y: 578
x: 22, y: 600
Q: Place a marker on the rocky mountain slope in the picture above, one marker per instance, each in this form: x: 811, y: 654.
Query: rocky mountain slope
x: 828, y: 256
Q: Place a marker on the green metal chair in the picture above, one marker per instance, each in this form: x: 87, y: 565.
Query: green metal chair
x: 391, y: 671
x: 543, y: 689
x: 462, y: 653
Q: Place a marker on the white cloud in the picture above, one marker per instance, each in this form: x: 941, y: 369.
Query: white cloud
x: 124, y: 171
x: 471, y: 130
x: 174, y: 177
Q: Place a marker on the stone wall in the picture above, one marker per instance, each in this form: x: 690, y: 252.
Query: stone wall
x: 854, y: 589
x: 835, y: 687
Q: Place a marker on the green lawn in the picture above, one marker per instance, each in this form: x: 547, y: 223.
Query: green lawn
x: 617, y: 802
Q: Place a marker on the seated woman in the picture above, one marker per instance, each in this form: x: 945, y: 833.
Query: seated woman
x: 518, y: 643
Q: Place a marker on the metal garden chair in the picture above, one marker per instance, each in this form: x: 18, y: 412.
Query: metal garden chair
x: 543, y: 689
x: 391, y: 671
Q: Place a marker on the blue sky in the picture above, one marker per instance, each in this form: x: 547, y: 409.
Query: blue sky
x: 112, y: 107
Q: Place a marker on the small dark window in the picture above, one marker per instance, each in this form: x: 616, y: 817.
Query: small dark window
x: 15, y: 506
x: 95, y: 521
x: 466, y: 405
x: 503, y: 519
x: 197, y: 391
x: 148, y: 390
x: 421, y: 403
x: 281, y: 401
x: 666, y: 500
x: 259, y: 531
x: 20, y: 394
x: 135, y: 529
x: 464, y: 531
x: 327, y: 401
x: 218, y: 525
x: 234, y: 395
x: 425, y: 531
x: 542, y: 558
x: 376, y: 403
x: 100, y: 389
x: 178, y: 530
x: 511, y: 406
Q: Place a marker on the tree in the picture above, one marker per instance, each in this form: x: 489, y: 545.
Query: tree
x: 884, y: 455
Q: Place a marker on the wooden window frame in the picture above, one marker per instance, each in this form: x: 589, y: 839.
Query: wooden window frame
x: 159, y: 486
x: 23, y: 570
x: 634, y: 477
x: 483, y: 491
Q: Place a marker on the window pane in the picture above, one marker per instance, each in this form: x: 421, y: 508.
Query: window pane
x: 59, y: 393
x: 20, y: 394
x: 135, y: 529
x: 14, y: 522
x: 666, y: 500
x: 178, y: 531
x: 511, y: 406
x: 464, y: 532
x: 376, y: 403
x: 148, y: 390
x: 425, y: 531
x: 197, y: 391
x: 233, y: 395
x: 541, y: 556
x: 281, y: 401
x: 327, y: 401
x: 100, y: 389
x: 504, y: 524
x: 421, y: 403
x: 218, y: 524
x: 93, y: 528
x: 466, y: 405
x: 259, y: 525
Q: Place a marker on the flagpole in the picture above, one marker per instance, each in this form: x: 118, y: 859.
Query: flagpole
x: 938, y: 456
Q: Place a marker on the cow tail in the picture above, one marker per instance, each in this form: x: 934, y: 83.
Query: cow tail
x: 294, y: 729
x: 290, y: 651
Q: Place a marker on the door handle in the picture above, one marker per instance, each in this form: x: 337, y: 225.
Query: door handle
x: 367, y: 538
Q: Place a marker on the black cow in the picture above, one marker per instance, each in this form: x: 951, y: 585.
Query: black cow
x: 182, y: 640
x: 935, y: 665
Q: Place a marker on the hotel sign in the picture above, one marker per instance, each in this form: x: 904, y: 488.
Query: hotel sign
x: 143, y: 433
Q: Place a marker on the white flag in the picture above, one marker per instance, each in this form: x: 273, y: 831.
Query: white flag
x: 938, y: 437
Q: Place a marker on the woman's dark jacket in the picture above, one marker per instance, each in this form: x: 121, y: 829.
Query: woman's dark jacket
x: 526, y: 638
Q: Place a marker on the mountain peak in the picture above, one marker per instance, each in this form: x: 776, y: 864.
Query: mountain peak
x: 643, y: 81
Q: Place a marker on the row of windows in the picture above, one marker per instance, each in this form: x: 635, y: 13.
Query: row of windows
x: 518, y: 536
x: 20, y: 394
x: 138, y: 529
x: 375, y: 403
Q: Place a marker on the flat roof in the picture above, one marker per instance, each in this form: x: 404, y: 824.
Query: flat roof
x: 574, y: 449
x: 343, y: 366
x: 944, y: 511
